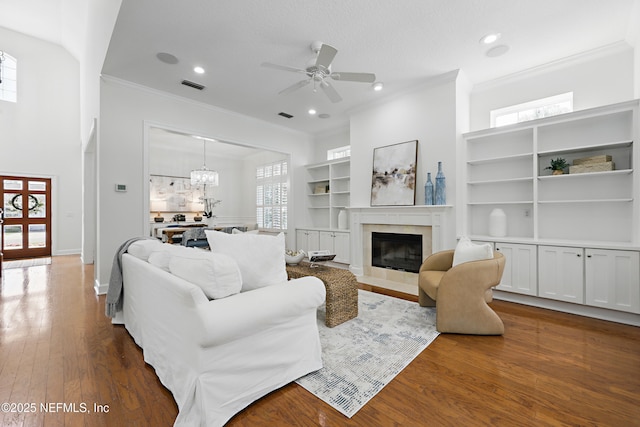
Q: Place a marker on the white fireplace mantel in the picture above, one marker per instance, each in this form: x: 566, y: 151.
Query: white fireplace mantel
x: 437, y: 217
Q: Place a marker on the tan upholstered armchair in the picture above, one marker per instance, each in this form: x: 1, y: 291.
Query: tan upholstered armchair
x: 461, y: 293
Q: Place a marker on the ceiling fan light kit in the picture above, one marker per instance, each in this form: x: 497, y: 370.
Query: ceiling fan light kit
x: 318, y: 70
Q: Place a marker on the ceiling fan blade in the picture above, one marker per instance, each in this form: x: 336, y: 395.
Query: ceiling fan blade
x: 326, y: 55
x: 330, y: 91
x: 282, y: 67
x: 354, y: 77
x: 292, y: 88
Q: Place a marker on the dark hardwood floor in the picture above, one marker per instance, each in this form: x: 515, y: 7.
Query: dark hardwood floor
x: 63, y: 363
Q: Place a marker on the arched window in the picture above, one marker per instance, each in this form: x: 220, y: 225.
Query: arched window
x: 8, y: 77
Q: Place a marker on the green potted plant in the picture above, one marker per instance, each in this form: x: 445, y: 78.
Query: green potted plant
x: 557, y: 166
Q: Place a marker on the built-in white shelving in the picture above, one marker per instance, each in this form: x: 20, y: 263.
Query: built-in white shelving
x: 593, y: 216
x: 328, y: 192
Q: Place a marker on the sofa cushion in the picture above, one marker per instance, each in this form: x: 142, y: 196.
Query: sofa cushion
x: 237, y: 231
x: 260, y: 257
x: 217, y: 274
x: 160, y: 259
x: 467, y: 251
x: 162, y: 255
x: 142, y: 248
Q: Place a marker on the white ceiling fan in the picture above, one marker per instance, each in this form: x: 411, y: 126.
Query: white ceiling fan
x: 317, y: 71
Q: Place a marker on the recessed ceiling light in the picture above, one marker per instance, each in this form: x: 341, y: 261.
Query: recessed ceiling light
x: 378, y: 86
x: 497, y: 51
x: 199, y: 70
x: 312, y: 111
x: 324, y: 116
x: 490, y: 38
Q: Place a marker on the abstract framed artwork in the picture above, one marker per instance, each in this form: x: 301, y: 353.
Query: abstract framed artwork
x: 173, y: 194
x: 393, y: 182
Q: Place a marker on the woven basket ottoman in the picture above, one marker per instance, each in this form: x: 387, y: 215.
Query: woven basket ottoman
x: 342, y: 290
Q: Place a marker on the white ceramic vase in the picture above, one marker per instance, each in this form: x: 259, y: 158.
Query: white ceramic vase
x: 497, y: 223
x: 342, y: 219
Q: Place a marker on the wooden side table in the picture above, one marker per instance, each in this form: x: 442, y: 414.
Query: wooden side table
x: 342, y: 290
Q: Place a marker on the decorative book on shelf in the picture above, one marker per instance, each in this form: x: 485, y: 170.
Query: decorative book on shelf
x: 600, y: 163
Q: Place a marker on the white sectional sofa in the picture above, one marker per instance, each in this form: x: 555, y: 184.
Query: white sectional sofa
x: 217, y: 355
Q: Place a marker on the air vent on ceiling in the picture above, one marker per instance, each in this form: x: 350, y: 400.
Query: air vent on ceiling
x: 286, y: 115
x: 192, y: 84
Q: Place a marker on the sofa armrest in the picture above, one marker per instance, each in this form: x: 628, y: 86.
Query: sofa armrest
x: 247, y: 313
x: 440, y: 261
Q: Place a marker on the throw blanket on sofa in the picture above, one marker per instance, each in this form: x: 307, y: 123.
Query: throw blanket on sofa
x: 114, y: 300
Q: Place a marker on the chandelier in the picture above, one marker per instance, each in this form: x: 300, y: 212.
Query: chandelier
x: 204, y: 176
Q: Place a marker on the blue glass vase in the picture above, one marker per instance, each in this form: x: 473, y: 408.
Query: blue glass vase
x: 441, y: 196
x: 428, y: 190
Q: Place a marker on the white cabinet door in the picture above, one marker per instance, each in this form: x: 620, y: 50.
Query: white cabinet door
x: 342, y: 247
x: 561, y: 273
x: 301, y: 240
x: 337, y: 243
x: 326, y: 241
x: 520, y: 270
x: 613, y: 279
x: 313, y: 240
x: 307, y: 240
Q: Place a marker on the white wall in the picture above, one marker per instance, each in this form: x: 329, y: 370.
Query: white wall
x: 89, y: 43
x: 600, y: 77
x: 633, y: 37
x: 327, y: 141
x: 92, y: 42
x: 40, y: 134
x: 125, y: 111
x: 427, y: 114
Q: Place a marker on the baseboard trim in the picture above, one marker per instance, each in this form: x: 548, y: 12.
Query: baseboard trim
x: 566, y: 307
x: 61, y: 252
x: 100, y: 289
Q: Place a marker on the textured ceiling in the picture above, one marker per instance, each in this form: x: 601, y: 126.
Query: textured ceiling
x: 403, y: 42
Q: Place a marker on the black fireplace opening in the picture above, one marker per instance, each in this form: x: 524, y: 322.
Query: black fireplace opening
x: 396, y: 251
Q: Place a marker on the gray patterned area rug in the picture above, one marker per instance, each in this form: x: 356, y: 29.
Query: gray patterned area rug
x: 364, y: 354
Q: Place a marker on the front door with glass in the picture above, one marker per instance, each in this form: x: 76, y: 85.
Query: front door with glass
x: 26, y: 230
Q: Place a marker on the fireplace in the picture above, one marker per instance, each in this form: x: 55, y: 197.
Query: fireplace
x: 432, y: 223
x: 396, y: 251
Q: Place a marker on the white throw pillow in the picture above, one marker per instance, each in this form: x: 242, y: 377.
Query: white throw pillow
x: 143, y: 248
x: 468, y: 251
x: 236, y: 231
x: 161, y: 257
x: 217, y: 275
x: 260, y: 257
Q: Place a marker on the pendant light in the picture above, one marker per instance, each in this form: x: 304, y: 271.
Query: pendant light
x: 204, y: 176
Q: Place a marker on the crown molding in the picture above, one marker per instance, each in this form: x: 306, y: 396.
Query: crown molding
x: 568, y: 61
x: 448, y: 77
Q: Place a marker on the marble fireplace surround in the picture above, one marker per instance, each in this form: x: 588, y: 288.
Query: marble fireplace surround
x: 429, y: 221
